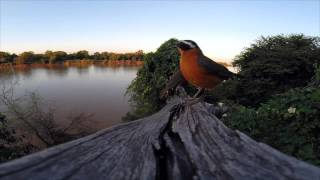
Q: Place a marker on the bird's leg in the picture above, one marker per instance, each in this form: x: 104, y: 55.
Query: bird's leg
x: 180, y: 91
x: 198, y: 93
x: 197, y: 97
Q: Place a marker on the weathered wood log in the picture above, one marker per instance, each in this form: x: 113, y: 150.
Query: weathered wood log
x: 175, y: 143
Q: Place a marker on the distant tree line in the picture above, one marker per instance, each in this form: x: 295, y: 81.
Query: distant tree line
x: 51, y: 57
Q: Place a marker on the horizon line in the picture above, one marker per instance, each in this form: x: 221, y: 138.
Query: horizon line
x: 215, y: 58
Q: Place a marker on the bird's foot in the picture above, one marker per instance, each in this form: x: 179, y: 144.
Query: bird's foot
x: 187, y: 102
x: 192, y: 101
x: 181, y: 92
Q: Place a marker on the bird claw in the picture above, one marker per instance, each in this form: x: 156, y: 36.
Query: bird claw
x: 179, y: 108
x: 192, y: 101
x: 180, y: 91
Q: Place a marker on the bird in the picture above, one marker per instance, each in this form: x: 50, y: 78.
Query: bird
x: 196, y: 69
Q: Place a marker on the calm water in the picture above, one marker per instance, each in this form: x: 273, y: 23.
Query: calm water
x: 93, y: 89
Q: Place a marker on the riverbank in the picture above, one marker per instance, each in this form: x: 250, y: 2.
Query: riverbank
x: 5, y: 66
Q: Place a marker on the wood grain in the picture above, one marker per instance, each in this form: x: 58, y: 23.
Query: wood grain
x: 178, y: 142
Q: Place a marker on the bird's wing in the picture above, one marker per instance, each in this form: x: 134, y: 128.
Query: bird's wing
x: 215, y: 68
x: 175, y: 80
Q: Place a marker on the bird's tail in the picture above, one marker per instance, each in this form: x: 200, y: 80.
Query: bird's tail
x: 175, y: 80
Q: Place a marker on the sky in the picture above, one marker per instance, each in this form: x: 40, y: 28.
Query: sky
x: 222, y: 29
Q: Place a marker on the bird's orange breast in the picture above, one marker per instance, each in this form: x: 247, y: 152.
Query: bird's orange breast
x: 194, y: 73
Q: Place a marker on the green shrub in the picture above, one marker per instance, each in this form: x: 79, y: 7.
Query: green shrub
x: 289, y: 122
x: 11, y: 145
x: 274, y: 65
x: 144, y: 90
x: 315, y: 81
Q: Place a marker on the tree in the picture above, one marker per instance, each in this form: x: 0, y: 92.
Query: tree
x: 144, y: 90
x: 271, y: 66
x: 25, y: 58
x: 114, y: 56
x: 274, y: 65
x: 82, y: 54
x: 97, y: 56
x: 5, y: 57
x: 52, y: 57
x: 105, y: 55
x: 60, y: 56
x: 55, y: 57
x: 11, y: 145
x: 13, y: 57
x: 71, y: 56
x: 48, y: 57
x: 139, y: 55
x: 289, y: 122
x: 33, y: 115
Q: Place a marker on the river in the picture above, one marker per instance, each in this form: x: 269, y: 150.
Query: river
x: 96, y: 90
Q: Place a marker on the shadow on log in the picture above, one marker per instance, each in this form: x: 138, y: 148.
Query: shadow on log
x: 175, y: 143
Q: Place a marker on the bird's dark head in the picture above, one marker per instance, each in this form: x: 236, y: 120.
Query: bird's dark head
x: 185, y: 45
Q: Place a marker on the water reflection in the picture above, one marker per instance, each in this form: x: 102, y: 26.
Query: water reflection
x: 91, y: 89
x: 60, y: 72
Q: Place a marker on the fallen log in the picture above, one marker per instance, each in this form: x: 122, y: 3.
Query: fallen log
x: 178, y: 142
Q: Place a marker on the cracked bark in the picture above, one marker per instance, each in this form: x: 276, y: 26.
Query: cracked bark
x: 175, y: 143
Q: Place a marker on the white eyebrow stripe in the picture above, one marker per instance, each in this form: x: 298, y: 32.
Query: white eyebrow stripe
x: 189, y: 43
